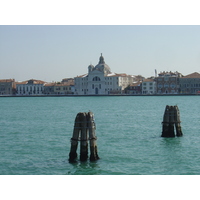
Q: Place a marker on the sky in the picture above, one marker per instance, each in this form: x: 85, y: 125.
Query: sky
x: 50, y: 42
x: 54, y: 52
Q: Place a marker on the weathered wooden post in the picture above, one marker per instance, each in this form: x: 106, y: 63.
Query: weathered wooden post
x: 84, y: 138
x: 171, y: 117
x: 75, y: 138
x: 168, y: 129
x: 92, y: 137
x: 177, y: 122
x: 84, y: 124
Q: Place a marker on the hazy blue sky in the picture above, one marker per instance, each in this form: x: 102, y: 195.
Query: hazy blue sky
x: 51, y: 53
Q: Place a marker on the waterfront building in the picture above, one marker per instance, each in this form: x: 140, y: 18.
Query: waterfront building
x: 190, y: 84
x: 65, y: 88
x: 100, y: 80
x: 49, y: 88
x: 149, y: 86
x: 30, y: 87
x: 7, y: 86
x: 134, y: 88
x: 68, y: 80
x: 168, y: 82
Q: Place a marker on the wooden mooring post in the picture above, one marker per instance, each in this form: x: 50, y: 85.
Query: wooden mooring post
x: 84, y: 130
x: 171, y: 118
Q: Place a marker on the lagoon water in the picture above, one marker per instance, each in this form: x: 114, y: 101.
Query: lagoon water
x: 35, y: 135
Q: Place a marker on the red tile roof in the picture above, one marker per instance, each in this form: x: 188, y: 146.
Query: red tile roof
x: 34, y: 82
x: 193, y: 75
x: 6, y: 80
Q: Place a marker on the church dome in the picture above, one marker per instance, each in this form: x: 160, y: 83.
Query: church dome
x: 90, y: 68
x: 102, y: 66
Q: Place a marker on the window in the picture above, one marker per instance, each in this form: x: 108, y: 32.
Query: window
x: 166, y: 78
x: 166, y: 85
x: 159, y: 85
x: 172, y: 85
x: 96, y: 78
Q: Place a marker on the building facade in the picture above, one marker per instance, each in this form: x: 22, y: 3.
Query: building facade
x: 190, y: 84
x: 101, y: 81
x: 7, y: 86
x: 134, y: 88
x: 168, y: 82
x: 149, y: 86
x: 30, y: 87
x: 65, y: 88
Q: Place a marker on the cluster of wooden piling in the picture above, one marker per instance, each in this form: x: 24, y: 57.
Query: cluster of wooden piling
x: 171, y: 118
x: 84, y: 131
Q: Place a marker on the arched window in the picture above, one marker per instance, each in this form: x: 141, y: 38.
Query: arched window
x: 96, y: 78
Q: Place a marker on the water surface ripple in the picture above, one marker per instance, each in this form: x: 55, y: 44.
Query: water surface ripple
x: 35, y: 135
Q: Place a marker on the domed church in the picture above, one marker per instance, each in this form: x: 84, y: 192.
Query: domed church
x: 101, y: 81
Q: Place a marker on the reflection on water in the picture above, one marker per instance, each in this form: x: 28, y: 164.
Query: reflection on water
x: 171, y: 142
x: 87, y: 167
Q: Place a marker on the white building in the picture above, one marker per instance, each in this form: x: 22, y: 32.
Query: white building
x: 100, y: 81
x: 148, y: 86
x: 30, y: 87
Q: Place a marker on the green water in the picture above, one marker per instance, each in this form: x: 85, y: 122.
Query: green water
x: 35, y: 135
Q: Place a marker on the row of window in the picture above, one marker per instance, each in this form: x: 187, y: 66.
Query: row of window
x: 106, y: 83
x: 4, y: 89
x: 189, y: 85
x: 96, y: 78
x: 146, y: 83
x: 109, y: 89
x: 167, y: 78
x: 150, y: 88
x: 64, y: 88
x: 190, y: 80
x: 29, y: 88
x: 166, y: 86
x: 29, y: 92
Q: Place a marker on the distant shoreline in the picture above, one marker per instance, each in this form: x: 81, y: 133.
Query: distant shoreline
x: 121, y: 95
